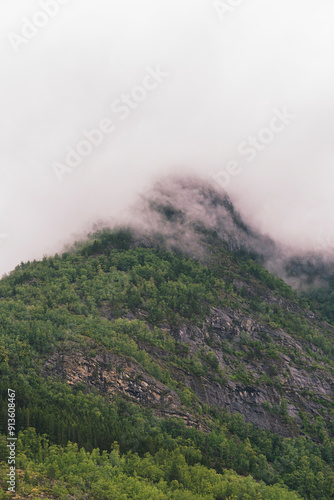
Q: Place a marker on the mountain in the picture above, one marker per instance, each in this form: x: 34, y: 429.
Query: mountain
x: 164, y: 361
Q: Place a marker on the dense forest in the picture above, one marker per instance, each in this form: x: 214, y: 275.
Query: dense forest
x: 323, y: 299
x: 116, y: 298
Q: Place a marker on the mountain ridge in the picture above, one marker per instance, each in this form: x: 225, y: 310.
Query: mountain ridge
x: 127, y: 330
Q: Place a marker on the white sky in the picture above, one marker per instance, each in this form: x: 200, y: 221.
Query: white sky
x: 226, y: 75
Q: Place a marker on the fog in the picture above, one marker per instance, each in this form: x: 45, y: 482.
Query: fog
x: 101, y: 99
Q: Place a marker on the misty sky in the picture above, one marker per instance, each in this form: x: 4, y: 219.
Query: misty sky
x: 238, y: 92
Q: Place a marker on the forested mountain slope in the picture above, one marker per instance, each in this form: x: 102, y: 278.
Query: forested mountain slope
x: 174, y: 373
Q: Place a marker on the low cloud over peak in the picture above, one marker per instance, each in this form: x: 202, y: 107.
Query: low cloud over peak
x: 77, y: 81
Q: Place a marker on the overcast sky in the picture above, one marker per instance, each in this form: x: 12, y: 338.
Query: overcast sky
x: 237, y: 91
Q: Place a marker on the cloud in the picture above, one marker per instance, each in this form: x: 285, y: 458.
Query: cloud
x: 225, y: 78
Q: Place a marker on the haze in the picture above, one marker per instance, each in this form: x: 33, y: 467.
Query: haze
x: 212, y: 76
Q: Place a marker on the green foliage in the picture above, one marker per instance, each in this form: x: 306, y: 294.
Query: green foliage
x: 112, y: 294
x: 211, y: 360
x: 323, y: 299
x: 250, y: 265
x: 242, y: 375
x: 169, y: 474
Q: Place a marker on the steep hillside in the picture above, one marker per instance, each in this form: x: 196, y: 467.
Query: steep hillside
x: 200, y: 374
x: 314, y: 275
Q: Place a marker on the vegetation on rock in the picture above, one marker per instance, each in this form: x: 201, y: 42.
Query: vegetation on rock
x: 188, y: 332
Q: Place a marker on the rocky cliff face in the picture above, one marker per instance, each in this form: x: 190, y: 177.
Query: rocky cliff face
x: 110, y: 374
x: 276, y: 388
x: 270, y: 388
